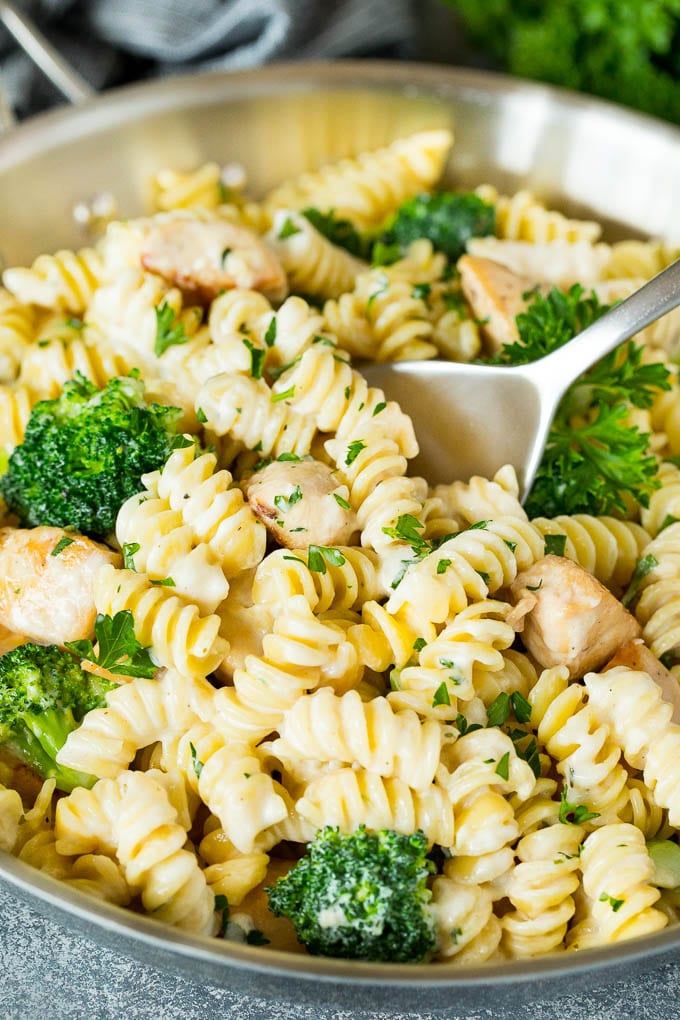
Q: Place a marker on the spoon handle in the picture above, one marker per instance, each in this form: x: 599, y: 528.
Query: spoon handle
x: 657, y: 297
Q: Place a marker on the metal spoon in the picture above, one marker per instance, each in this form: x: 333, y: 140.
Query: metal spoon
x: 472, y: 419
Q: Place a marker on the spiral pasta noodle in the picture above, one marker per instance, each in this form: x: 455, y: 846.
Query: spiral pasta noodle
x: 17, y: 327
x: 348, y: 585
x: 368, y: 187
x: 174, y: 630
x: 65, y: 281
x: 616, y: 874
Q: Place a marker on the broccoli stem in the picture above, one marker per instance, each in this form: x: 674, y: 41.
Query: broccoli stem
x: 38, y: 739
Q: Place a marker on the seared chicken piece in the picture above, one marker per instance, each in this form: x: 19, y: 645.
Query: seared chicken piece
x: 570, y: 619
x: 636, y: 655
x: 302, y: 504
x: 205, y: 258
x: 47, y: 592
x: 495, y: 295
x: 557, y: 263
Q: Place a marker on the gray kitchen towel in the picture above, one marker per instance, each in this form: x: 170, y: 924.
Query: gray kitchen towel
x: 115, y: 41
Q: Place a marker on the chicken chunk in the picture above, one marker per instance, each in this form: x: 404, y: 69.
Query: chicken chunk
x: 203, y: 258
x: 302, y: 504
x: 495, y: 294
x: 557, y: 263
x: 636, y: 655
x: 570, y: 618
x: 46, y: 585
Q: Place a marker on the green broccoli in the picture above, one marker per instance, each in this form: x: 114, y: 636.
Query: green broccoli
x: 361, y: 896
x: 624, y: 50
x: 84, y: 453
x: 340, y: 232
x: 44, y: 695
x: 446, y: 219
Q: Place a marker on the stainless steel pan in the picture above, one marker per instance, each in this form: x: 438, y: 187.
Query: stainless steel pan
x: 583, y: 155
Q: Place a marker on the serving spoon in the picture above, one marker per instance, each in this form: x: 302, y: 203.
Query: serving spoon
x: 473, y: 419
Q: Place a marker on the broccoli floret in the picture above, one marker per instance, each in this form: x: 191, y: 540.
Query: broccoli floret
x: 44, y: 695
x: 446, y: 219
x: 84, y: 453
x: 361, y: 896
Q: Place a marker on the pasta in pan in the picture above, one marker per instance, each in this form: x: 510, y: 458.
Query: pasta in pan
x: 292, y: 635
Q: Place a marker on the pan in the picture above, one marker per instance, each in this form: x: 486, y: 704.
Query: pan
x: 585, y: 156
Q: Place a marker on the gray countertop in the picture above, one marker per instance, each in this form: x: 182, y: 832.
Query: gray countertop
x: 49, y: 973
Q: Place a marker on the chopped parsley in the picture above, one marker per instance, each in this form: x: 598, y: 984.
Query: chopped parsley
x: 319, y: 555
x: 62, y: 544
x: 284, y: 503
x: 169, y: 332
x: 118, y: 650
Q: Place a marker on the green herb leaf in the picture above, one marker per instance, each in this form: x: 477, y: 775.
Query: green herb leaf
x: 288, y: 228
x: 520, y: 707
x: 378, y: 408
x: 129, y: 550
x: 499, y: 710
x: 442, y: 566
x: 163, y: 582
x: 614, y: 903
x: 503, y: 767
x: 574, y: 814
x: 643, y: 567
x: 62, y: 544
x: 119, y: 651
x: 284, y: 503
x: 353, y: 451
x: 201, y: 415
x: 555, y: 545
x: 168, y: 332
x: 421, y: 291
x: 319, y: 555
x: 198, y: 767
x: 341, y: 502
x: 257, y: 356
x: 464, y: 727
x: 270, y: 334
x: 284, y: 395
x: 419, y: 644
x: 441, y: 695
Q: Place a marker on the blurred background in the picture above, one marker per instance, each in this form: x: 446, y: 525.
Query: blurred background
x: 625, y: 50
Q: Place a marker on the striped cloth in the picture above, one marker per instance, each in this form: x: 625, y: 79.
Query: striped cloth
x: 115, y: 41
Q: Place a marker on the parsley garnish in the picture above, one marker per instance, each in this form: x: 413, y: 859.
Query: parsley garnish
x: 319, y: 555
x: 419, y: 644
x: 163, y: 582
x: 201, y: 415
x: 378, y: 408
x: 284, y: 395
x: 270, y: 334
x: 129, y: 550
x: 353, y: 451
x: 119, y: 651
x: 285, y: 457
x: 383, y: 285
x: 612, y: 901
x: 574, y: 814
x: 288, y: 228
x: 499, y: 710
x: 442, y: 565
x: 168, y: 331
x: 341, y: 502
x: 555, y: 545
x: 503, y: 767
x: 521, y: 707
x: 198, y: 767
x: 464, y: 727
x: 421, y: 291
x: 62, y: 544
x: 441, y: 695
x: 284, y: 503
x: 643, y: 566
x: 222, y: 904
x: 257, y: 356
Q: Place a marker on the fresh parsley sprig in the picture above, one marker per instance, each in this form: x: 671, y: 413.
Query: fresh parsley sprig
x: 118, y: 650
